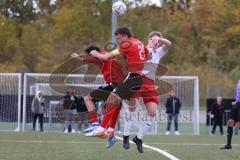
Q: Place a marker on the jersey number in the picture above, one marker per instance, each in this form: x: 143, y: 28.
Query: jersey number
x: 141, y: 51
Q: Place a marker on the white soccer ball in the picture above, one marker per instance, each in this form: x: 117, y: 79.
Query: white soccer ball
x: 119, y: 8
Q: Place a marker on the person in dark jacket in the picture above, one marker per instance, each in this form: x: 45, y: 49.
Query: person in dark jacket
x: 37, y: 108
x: 173, y: 106
x: 70, y: 110
x: 216, y: 111
x: 82, y: 114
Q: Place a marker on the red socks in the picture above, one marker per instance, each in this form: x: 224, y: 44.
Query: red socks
x: 114, y: 117
x: 111, y: 113
x: 93, y: 116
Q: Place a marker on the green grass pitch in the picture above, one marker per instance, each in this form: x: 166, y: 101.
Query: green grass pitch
x: 60, y: 146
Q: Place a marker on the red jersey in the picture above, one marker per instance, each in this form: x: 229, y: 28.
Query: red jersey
x: 110, y: 69
x: 134, y: 52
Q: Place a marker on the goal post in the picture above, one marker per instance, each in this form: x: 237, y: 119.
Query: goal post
x: 10, y: 103
x: 196, y: 107
x: 54, y: 92
x: 187, y: 90
x: 190, y: 91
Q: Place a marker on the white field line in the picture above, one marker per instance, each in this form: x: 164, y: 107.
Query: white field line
x: 94, y: 142
x: 190, y: 144
x: 163, y: 152
x: 64, y: 142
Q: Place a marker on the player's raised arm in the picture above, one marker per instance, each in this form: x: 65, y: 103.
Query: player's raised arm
x: 77, y: 56
x: 85, y: 58
x: 156, y: 40
x: 100, y: 56
x: 166, y: 44
x: 105, y: 56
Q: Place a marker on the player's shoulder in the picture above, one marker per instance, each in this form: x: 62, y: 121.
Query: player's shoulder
x: 159, y: 50
x: 132, y: 39
x: 105, y: 61
x: 125, y: 45
x: 150, y: 49
x: 137, y: 41
x: 238, y: 87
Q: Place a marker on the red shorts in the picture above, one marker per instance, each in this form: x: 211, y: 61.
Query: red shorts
x: 148, y: 91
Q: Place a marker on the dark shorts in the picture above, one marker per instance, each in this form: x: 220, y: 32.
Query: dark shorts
x: 102, y: 93
x: 147, y: 91
x: 125, y: 89
x: 129, y: 85
x: 235, y: 112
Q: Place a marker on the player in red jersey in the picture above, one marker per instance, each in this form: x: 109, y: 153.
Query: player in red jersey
x: 148, y: 90
x: 158, y: 46
x: 111, y: 71
x: 135, y: 54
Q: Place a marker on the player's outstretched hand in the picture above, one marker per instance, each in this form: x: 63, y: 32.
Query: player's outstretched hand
x: 94, y: 53
x: 74, y: 55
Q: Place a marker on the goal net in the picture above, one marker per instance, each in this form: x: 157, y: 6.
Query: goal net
x: 54, y: 88
x: 10, y: 101
x: 186, y: 89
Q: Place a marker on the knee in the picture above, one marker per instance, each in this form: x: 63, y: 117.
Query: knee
x: 230, y: 123
x: 87, y: 98
x: 132, y: 105
x: 114, y: 98
x: 152, y: 113
x: 132, y: 108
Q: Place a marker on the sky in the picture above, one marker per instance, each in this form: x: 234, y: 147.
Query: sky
x: 158, y: 3
x: 151, y: 2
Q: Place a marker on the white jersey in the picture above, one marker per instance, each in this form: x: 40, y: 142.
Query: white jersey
x: 151, y: 65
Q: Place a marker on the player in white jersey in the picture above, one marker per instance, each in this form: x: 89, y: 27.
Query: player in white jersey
x: 158, y: 47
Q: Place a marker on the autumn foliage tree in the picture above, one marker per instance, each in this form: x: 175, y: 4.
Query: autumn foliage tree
x: 39, y: 35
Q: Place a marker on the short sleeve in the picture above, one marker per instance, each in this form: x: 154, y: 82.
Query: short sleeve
x: 124, y: 46
x: 90, y: 59
x: 161, y: 52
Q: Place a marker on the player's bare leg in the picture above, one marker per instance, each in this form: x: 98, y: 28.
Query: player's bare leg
x: 113, y: 102
x: 92, y: 113
x: 109, y: 133
x: 230, y: 124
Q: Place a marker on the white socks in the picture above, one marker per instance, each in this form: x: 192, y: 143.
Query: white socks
x: 145, y: 126
x: 127, y: 119
x: 127, y: 126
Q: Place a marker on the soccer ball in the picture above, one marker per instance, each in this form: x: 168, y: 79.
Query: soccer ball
x: 119, y: 8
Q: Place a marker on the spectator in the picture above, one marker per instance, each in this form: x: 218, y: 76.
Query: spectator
x: 173, y: 106
x: 82, y: 114
x: 216, y: 111
x: 37, y: 109
x: 69, y: 107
